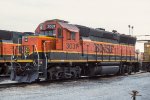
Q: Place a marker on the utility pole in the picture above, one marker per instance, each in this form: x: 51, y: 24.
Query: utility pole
x: 129, y: 28
x: 132, y: 29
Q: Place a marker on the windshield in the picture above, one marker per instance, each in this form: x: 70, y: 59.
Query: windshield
x: 48, y: 33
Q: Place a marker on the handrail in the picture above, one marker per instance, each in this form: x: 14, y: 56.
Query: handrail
x: 37, y: 55
x: 18, y: 45
x: 87, y: 53
x: 96, y: 53
x: 45, y: 51
x: 45, y: 46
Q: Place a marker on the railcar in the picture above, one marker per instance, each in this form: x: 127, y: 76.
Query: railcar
x: 59, y: 50
x: 9, y: 40
x: 146, y: 57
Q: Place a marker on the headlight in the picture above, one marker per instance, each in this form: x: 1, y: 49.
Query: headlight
x: 40, y: 62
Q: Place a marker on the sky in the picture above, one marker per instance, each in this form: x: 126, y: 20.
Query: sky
x: 25, y: 15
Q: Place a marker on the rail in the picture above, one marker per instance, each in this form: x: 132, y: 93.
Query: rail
x: 9, y: 85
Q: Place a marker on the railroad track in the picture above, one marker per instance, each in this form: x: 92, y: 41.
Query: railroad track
x: 8, y: 85
x: 4, y: 76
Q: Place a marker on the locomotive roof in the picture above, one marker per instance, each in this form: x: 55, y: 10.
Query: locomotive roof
x: 121, y: 38
x: 7, y: 31
x: 58, y: 20
x: 8, y: 35
x: 86, y: 31
x: 70, y: 27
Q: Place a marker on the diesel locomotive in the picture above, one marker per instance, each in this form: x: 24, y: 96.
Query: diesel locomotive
x: 59, y: 50
x: 8, y: 41
x: 146, y: 57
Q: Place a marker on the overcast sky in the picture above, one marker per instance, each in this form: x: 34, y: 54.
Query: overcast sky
x: 25, y: 15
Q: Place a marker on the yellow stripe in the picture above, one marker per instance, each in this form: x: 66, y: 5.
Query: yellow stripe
x: 24, y: 60
x: 90, y: 61
x: 53, y: 51
x: 42, y: 37
x: 56, y: 61
x: 3, y: 61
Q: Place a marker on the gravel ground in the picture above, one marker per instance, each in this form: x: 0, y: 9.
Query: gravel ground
x: 114, y: 88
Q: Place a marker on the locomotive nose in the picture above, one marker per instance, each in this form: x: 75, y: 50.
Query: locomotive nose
x: 23, y: 73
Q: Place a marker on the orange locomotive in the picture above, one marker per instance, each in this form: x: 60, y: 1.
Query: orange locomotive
x: 60, y: 50
x: 9, y: 43
x: 6, y: 50
x: 8, y: 40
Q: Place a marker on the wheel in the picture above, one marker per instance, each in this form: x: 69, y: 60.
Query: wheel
x: 73, y: 75
x: 129, y: 69
x: 122, y: 70
x: 4, y: 70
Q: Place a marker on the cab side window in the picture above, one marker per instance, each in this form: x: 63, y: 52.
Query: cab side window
x: 59, y: 33
x: 68, y: 36
x: 71, y: 35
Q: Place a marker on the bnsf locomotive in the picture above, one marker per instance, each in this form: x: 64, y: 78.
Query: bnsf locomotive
x: 59, y: 50
x: 8, y: 40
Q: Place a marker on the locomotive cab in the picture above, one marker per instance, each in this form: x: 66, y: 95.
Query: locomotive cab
x: 67, y: 35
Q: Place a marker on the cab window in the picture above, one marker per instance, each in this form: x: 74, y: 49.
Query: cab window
x: 71, y: 35
x: 48, y: 33
x: 59, y: 33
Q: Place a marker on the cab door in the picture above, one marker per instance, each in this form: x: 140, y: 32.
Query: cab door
x: 59, y: 39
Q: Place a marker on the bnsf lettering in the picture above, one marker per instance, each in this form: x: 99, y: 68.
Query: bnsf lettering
x: 72, y: 46
x: 104, y: 48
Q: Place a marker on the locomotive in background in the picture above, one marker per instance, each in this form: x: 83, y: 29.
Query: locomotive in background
x: 59, y: 50
x: 8, y: 40
x: 145, y: 57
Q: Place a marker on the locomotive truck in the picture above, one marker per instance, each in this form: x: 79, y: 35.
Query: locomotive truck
x: 59, y: 50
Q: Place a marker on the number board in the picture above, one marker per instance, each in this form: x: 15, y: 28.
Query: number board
x: 51, y: 26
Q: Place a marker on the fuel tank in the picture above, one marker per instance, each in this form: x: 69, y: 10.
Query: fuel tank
x: 108, y: 70
x: 105, y: 69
